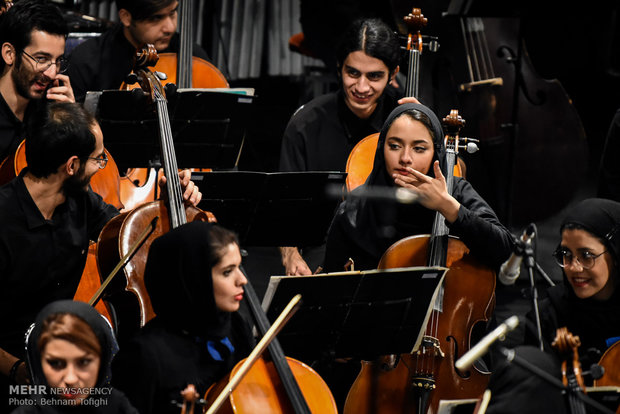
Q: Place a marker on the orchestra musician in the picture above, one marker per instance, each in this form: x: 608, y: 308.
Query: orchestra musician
x: 195, y: 283
x: 104, y: 62
x: 411, y: 154
x: 69, y: 353
x: 48, y: 215
x: 587, y: 303
x: 321, y: 134
x: 32, y: 68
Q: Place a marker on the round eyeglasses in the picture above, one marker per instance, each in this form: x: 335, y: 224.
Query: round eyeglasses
x: 43, y: 63
x: 102, y: 160
x: 586, y: 259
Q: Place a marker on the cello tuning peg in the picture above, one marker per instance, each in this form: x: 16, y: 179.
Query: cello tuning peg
x: 470, y: 147
x: 131, y: 78
x: 596, y: 371
x: 161, y: 75
x: 431, y: 43
x: 466, y: 139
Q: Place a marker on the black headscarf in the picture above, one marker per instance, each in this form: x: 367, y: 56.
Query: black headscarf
x: 595, y: 321
x: 99, y: 325
x: 377, y: 224
x: 179, y: 281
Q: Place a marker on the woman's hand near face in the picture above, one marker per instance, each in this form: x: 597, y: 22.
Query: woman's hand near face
x: 433, y: 192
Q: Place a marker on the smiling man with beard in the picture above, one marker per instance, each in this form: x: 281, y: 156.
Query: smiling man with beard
x: 32, y: 39
x: 48, y: 215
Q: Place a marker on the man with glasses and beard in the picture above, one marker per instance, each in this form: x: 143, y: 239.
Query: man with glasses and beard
x: 48, y: 215
x: 32, y: 40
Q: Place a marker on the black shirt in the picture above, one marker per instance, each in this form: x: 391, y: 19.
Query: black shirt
x: 476, y: 225
x: 41, y: 260
x: 11, y: 129
x: 104, y: 62
x: 160, y: 361
x: 322, y: 133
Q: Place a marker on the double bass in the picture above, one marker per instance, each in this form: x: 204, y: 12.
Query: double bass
x: 120, y: 234
x: 416, y: 382
x: 527, y: 125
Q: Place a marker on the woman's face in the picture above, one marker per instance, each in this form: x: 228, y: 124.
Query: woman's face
x: 71, y: 368
x: 364, y: 79
x: 588, y: 283
x: 408, y: 143
x: 228, y: 280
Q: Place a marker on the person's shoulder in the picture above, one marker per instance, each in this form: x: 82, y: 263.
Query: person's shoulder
x: 316, y: 109
x: 10, y: 192
x: 93, y: 46
x: 119, y: 403
x: 328, y: 101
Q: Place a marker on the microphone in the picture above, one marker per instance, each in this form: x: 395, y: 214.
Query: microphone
x: 482, y: 347
x: 511, y: 268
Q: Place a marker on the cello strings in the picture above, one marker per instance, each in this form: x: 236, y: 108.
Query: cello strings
x: 484, y: 45
x: 177, y: 212
x: 467, y: 51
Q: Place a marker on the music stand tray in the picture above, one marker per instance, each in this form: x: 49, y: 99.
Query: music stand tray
x: 208, y: 126
x: 262, y: 208
x: 355, y: 314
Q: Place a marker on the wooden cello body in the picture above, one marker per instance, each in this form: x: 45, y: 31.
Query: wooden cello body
x: 276, y: 385
x: 610, y: 361
x: 468, y: 299
x: 261, y: 390
x: 416, y: 382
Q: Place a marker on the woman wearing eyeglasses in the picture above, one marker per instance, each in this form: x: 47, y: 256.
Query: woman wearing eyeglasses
x: 587, y: 304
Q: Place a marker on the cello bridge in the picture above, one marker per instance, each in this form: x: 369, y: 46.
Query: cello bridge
x: 430, y: 345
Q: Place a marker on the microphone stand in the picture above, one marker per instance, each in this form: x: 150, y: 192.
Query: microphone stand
x: 530, y: 263
x: 512, y: 357
x: 526, y: 250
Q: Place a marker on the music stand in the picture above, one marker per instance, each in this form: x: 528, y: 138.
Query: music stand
x: 263, y: 207
x: 208, y: 126
x: 355, y: 314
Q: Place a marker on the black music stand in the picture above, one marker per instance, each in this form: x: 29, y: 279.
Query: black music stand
x: 263, y: 207
x: 208, y: 126
x: 355, y: 314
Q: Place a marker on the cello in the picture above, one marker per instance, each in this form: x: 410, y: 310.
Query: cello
x: 119, y: 235
x: 286, y: 385
x: 186, y: 71
x: 416, y: 382
x: 566, y: 344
